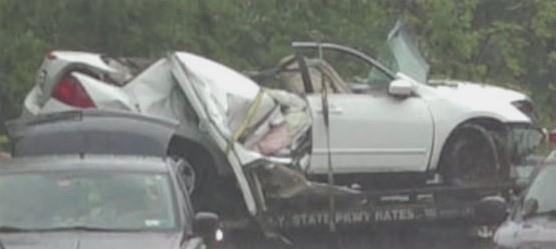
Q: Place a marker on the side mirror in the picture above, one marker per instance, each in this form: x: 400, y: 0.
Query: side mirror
x: 491, y: 210
x: 401, y: 88
x: 530, y: 207
x: 206, y: 225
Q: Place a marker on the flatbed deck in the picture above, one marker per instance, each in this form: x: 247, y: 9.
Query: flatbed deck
x: 429, y: 204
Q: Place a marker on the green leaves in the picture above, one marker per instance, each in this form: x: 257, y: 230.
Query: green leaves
x: 3, y: 143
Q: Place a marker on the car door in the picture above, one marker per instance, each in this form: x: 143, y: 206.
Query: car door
x: 370, y: 130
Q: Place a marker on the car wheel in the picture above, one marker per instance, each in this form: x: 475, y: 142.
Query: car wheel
x: 189, y: 175
x: 199, y: 177
x: 474, y: 156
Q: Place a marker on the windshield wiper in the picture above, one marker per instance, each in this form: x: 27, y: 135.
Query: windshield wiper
x: 88, y: 229
x: 12, y: 229
x: 551, y: 212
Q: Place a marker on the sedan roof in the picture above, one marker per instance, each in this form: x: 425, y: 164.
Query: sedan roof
x: 85, y: 162
x: 91, y: 131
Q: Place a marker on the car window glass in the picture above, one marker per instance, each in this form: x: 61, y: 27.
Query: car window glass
x: 113, y: 201
x: 290, y: 79
x: 407, y: 55
x: 319, y: 71
x: 542, y: 189
x: 356, y: 74
x: 322, y: 75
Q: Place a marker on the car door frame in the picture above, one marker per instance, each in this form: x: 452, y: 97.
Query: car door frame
x: 301, y: 47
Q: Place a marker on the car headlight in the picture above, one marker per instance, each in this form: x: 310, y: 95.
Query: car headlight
x: 219, y: 235
x: 526, y: 107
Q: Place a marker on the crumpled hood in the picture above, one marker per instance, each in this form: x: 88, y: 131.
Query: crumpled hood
x: 538, y: 232
x: 475, y: 91
x: 89, y: 240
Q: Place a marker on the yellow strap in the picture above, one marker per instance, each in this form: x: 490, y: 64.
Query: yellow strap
x: 250, y: 114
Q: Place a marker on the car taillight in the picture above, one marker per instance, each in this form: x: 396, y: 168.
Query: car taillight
x: 70, y: 91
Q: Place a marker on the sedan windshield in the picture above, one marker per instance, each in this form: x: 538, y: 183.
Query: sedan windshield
x: 542, y: 190
x: 115, y: 201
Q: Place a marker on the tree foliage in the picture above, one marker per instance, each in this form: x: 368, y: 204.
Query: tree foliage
x: 509, y: 43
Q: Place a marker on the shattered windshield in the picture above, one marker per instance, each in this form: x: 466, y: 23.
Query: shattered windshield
x: 127, y: 201
x: 400, y: 54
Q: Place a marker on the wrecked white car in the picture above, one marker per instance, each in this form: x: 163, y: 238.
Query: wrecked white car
x: 373, y: 126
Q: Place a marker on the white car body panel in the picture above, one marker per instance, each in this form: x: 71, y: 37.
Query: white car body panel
x: 225, y: 94
x: 404, y: 134
x: 54, y: 105
x: 506, y: 235
x: 372, y: 134
x: 31, y: 104
x: 32, y: 107
x: 59, y: 62
x: 91, y: 59
x: 160, y: 96
x: 450, y: 108
x: 551, y: 157
x: 103, y: 95
x: 53, y: 67
x: 183, y: 66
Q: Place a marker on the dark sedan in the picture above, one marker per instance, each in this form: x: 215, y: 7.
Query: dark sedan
x: 98, y: 202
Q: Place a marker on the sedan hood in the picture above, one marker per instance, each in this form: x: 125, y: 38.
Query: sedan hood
x: 475, y: 91
x: 88, y: 240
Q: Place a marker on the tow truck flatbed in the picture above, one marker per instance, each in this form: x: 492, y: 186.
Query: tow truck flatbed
x: 429, y: 204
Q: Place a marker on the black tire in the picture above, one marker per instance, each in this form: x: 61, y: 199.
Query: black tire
x: 474, y: 156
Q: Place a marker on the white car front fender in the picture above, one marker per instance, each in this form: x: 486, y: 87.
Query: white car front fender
x: 451, y: 111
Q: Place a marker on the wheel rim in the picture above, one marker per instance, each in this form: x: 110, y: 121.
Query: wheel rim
x: 189, y: 177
